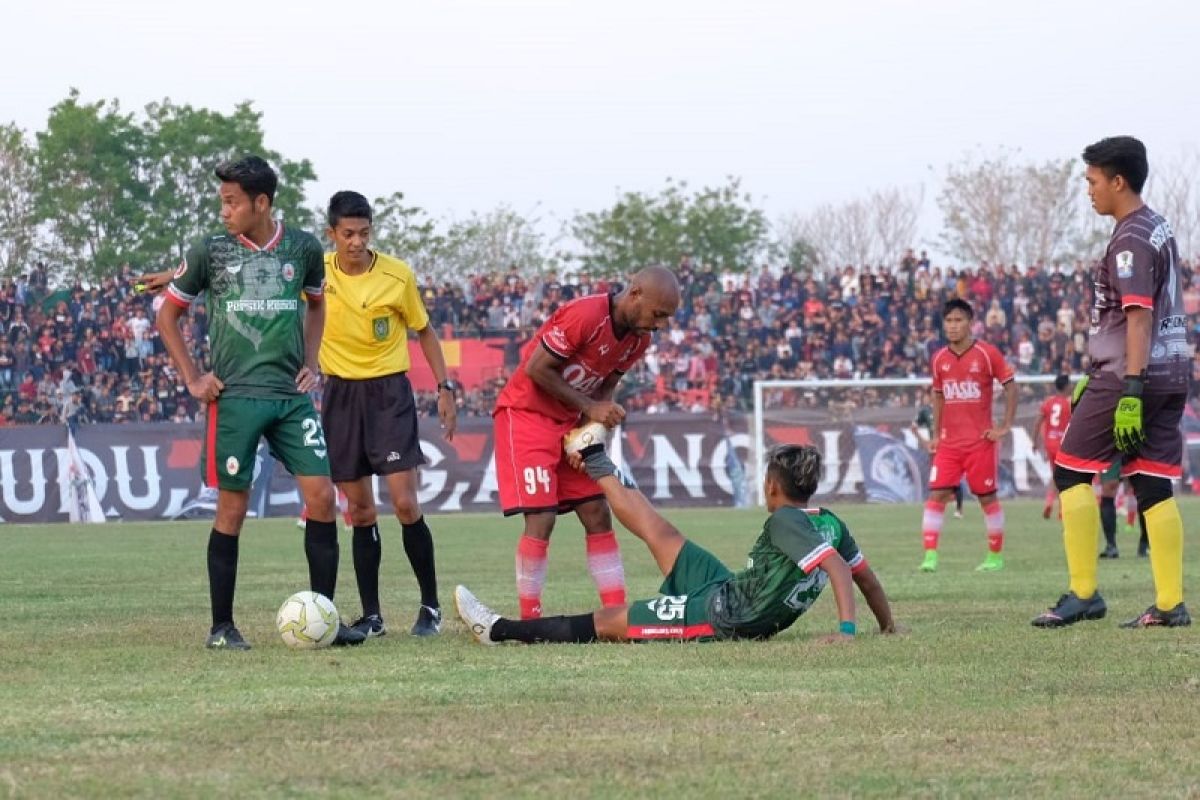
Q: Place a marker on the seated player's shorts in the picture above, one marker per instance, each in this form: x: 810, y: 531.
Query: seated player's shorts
x: 978, y: 463
x: 371, y: 426
x: 233, y: 426
x: 1088, y: 444
x: 532, y: 474
x: 681, y: 612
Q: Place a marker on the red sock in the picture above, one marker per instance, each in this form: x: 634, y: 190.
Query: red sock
x: 604, y: 563
x: 931, y: 523
x: 531, y: 575
x: 993, y: 517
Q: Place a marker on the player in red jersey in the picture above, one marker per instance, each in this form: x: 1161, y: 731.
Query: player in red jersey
x: 569, y: 372
x: 964, y: 438
x: 1052, y: 421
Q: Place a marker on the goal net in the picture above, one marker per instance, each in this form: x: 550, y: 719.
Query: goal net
x: 872, y: 434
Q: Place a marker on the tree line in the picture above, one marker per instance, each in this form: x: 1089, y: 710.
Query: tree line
x: 100, y: 186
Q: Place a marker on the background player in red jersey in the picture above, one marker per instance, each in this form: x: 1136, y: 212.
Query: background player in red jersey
x: 1052, y: 421
x: 964, y: 438
x: 568, y: 372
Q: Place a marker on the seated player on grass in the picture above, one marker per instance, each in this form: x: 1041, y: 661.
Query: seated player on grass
x: 799, y: 551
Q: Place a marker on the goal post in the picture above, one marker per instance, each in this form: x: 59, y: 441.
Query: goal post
x: 833, y: 413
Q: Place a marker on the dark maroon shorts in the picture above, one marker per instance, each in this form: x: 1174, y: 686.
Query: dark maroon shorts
x: 1088, y: 443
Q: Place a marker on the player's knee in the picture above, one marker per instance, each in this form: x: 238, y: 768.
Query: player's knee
x: 1065, y: 479
x: 595, y: 517
x: 362, y: 516
x: 1150, y: 491
x: 407, y: 508
x: 321, y: 502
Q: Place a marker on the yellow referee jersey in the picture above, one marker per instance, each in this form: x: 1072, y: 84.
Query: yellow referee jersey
x: 367, y: 318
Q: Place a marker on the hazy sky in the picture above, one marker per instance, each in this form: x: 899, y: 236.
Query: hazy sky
x: 552, y: 107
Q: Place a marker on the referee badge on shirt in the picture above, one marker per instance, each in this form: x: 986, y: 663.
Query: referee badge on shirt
x: 382, y: 327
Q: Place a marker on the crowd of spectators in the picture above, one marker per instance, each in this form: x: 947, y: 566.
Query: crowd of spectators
x: 93, y: 354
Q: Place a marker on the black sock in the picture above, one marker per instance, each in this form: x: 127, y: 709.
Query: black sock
x: 321, y: 548
x: 581, y: 628
x: 222, y: 575
x: 1108, y: 520
x: 368, y: 552
x: 418, y: 546
x: 596, y: 462
x: 1143, y: 540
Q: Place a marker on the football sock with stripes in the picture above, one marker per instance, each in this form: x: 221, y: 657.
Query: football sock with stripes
x: 1164, y: 528
x: 222, y: 575
x: 931, y: 523
x: 1081, y: 523
x: 531, y: 575
x: 418, y: 546
x: 604, y: 564
x: 321, y: 549
x: 993, y: 520
x: 368, y: 553
x: 577, y: 629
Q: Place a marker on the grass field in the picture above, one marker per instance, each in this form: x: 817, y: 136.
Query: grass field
x: 105, y: 690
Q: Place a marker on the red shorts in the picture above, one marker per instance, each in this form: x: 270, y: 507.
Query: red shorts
x: 1052, y: 446
x: 979, y: 464
x: 531, y: 470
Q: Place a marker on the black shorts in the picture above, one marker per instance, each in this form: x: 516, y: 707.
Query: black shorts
x: 1088, y: 444
x: 370, y: 426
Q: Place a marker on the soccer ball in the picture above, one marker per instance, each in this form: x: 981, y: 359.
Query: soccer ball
x: 307, y: 620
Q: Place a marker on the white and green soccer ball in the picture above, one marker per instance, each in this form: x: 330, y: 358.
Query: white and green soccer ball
x: 307, y: 621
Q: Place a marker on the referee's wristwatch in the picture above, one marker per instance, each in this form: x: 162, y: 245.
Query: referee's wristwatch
x: 449, y: 386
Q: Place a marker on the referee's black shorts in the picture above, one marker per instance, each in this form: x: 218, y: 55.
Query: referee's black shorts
x: 370, y: 426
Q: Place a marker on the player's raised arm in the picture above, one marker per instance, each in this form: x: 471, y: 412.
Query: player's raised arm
x: 544, y: 369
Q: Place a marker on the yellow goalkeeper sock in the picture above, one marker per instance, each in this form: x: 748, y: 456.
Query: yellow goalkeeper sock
x: 1164, y: 528
x: 1081, y: 530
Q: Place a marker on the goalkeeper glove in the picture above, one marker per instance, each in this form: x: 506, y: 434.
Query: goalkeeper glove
x: 1077, y: 394
x: 1127, y: 421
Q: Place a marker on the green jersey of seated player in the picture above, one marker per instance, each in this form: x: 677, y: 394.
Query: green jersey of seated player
x: 781, y: 579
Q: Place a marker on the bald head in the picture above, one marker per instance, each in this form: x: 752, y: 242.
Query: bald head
x: 659, y: 282
x: 649, y: 301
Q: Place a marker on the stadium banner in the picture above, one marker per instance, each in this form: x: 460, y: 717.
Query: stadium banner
x: 151, y: 471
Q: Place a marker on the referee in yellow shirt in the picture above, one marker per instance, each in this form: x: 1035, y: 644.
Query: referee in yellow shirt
x: 368, y: 410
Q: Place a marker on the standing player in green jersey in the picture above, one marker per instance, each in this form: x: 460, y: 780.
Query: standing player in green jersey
x: 799, y: 551
x: 264, y: 342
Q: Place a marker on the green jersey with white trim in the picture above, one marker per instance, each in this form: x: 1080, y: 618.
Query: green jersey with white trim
x: 255, y: 309
x: 782, y: 578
